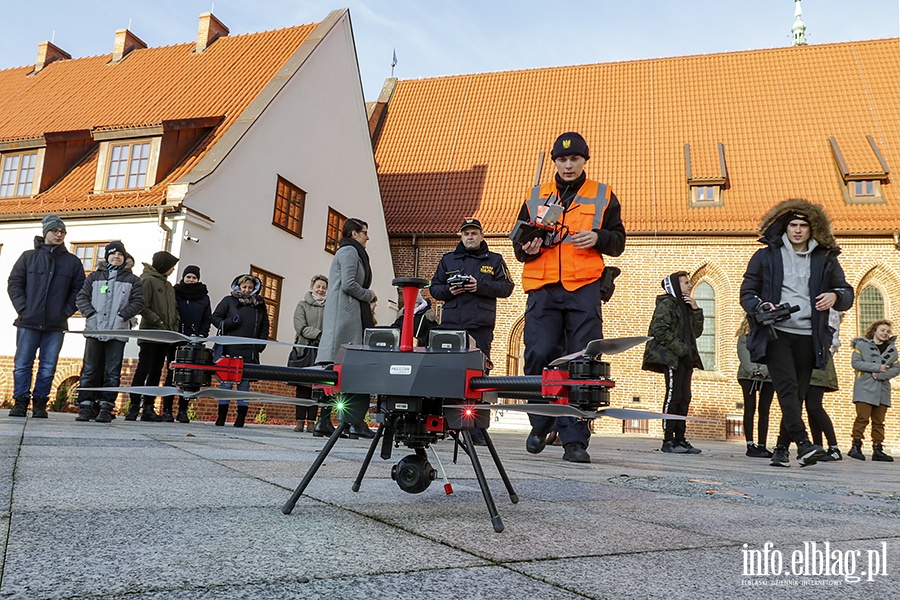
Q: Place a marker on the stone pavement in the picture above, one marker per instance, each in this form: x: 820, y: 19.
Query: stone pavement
x: 145, y: 510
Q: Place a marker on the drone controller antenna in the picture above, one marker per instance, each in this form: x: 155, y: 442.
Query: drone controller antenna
x: 448, y: 488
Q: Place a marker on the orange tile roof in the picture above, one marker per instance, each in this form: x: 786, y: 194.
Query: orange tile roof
x: 468, y: 145
x: 149, y: 86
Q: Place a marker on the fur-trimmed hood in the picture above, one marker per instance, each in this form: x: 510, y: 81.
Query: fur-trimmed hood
x: 773, y: 225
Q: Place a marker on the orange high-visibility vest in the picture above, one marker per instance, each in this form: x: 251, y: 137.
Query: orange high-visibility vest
x: 564, y: 263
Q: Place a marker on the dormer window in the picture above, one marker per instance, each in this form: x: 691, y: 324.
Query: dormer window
x: 861, y: 173
x: 18, y: 174
x: 706, y: 190
x: 128, y: 165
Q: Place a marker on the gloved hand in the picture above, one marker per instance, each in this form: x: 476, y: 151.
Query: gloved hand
x: 236, y: 320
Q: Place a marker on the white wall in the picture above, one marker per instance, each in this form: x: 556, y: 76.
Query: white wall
x: 141, y: 237
x: 315, y: 134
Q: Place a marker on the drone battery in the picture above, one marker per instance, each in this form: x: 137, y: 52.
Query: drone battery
x: 383, y: 338
x: 445, y: 340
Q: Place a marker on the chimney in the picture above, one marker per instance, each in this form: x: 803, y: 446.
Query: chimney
x: 47, y: 53
x: 209, y: 31
x: 125, y: 43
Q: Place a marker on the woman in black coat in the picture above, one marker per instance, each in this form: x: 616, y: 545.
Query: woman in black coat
x: 192, y: 299
x: 242, y: 313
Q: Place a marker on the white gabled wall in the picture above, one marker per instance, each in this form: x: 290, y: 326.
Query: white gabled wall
x: 141, y: 236
x: 314, y: 133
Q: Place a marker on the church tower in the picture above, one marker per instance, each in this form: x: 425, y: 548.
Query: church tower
x: 799, y: 28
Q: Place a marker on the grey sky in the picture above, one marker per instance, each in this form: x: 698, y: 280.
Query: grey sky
x: 435, y: 38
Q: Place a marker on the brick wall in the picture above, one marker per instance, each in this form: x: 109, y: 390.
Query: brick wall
x: 718, y: 260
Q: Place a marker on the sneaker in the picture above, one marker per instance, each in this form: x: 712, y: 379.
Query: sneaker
x: 780, y: 457
x: 85, y: 413
x: 671, y: 448
x: 168, y: 417
x: 182, y: 417
x: 833, y: 454
x: 690, y: 449
x: 808, y: 453
x: 575, y: 452
x: 104, y: 416
x: 757, y: 451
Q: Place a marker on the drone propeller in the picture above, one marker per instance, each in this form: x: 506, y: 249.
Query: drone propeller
x: 216, y: 393
x: 597, y: 347
x: 567, y: 410
x: 173, y: 337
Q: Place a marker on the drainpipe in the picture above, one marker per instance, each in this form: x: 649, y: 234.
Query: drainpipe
x: 415, y: 246
x: 167, y: 240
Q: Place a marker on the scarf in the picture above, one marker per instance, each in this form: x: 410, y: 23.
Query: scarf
x: 247, y: 299
x: 190, y: 291
x: 365, y: 310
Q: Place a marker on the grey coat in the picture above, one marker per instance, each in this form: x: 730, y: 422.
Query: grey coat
x: 342, y: 322
x: 866, y: 360
x: 749, y: 369
x: 110, y: 299
x: 308, y: 317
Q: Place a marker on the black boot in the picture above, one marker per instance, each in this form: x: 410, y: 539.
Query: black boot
x: 223, y: 412
x: 148, y: 413
x: 182, y: 416
x: 361, y: 430
x: 134, y: 408
x: 879, y: 455
x: 20, y: 409
x: 323, y: 427
x: 105, y: 414
x: 167, y: 416
x: 39, y: 408
x: 856, y: 450
x: 241, y: 415
x: 85, y: 410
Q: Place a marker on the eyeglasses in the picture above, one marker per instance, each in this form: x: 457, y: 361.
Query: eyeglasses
x: 365, y: 232
x: 58, y: 231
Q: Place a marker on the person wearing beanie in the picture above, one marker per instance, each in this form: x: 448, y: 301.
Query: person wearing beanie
x: 42, y: 286
x: 798, y: 266
x: 160, y: 312
x: 242, y: 313
x: 562, y: 273
x: 676, y: 324
x: 194, y: 313
x: 110, y: 297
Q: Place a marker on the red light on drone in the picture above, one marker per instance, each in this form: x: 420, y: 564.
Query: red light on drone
x: 469, y: 413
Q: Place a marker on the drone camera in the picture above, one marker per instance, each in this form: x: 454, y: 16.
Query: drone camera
x: 434, y: 423
x: 413, y: 474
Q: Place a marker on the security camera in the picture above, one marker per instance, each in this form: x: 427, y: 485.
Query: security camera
x: 188, y: 237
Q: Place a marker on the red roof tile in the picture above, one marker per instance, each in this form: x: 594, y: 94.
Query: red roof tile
x: 146, y: 88
x: 469, y: 145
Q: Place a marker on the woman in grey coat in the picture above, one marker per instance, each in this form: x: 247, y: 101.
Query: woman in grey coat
x: 308, y: 319
x: 875, y: 361
x: 755, y: 382
x: 348, y: 310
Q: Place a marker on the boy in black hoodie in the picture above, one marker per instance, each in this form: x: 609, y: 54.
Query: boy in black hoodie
x: 677, y: 323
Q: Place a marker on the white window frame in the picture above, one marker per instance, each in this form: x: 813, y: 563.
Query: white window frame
x: 30, y: 189
x: 105, y: 160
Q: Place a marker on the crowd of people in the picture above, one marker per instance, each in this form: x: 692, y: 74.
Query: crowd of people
x: 575, y: 221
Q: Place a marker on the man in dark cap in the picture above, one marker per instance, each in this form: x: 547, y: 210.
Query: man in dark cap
x: 480, y: 277
x: 561, y: 275
x: 42, y: 286
x: 110, y: 297
x: 160, y: 312
x: 798, y: 266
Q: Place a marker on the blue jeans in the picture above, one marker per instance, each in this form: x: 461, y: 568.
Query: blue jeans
x: 27, y: 343
x: 102, y: 367
x: 243, y: 386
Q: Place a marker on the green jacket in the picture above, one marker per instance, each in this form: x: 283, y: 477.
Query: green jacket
x: 667, y: 346
x: 160, y: 308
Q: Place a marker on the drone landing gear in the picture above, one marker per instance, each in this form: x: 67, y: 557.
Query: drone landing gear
x: 292, y: 501
x: 464, y: 436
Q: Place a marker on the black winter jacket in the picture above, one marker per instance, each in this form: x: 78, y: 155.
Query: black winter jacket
x: 43, y: 285
x: 253, y: 322
x: 194, y: 308
x: 478, y: 309
x: 764, y: 277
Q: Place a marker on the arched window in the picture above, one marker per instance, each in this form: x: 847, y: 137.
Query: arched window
x: 706, y: 343
x: 871, y: 307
